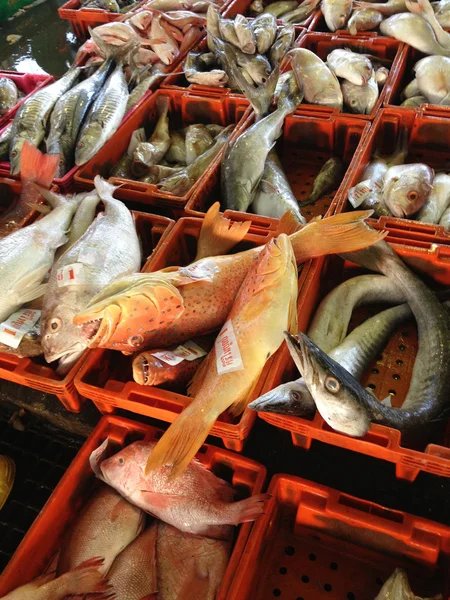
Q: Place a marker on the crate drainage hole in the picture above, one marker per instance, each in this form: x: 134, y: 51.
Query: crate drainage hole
x: 276, y: 592
x: 283, y: 570
x: 327, y: 587
x: 305, y: 578
x: 312, y: 557
x: 333, y: 566
x: 289, y: 550
x: 399, y: 362
x: 351, y: 596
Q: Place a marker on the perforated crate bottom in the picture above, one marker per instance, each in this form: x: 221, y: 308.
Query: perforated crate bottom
x: 306, y: 565
x: 41, y: 454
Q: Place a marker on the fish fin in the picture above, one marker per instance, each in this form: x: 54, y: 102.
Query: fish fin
x: 86, y: 578
x: 198, y: 377
x: 267, y: 187
x: 37, y: 167
x: 159, y: 500
x: 104, y: 189
x: 249, y: 509
x: 53, y: 199
x: 288, y: 224
x: 43, y: 579
x: 180, y: 443
x: 332, y: 234
x: 218, y: 234
x: 42, y: 208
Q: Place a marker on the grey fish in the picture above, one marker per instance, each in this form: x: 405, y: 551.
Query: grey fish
x: 392, y: 7
x: 181, y: 182
x: 412, y: 89
x: 328, y: 179
x: 365, y: 19
x: 413, y: 30
x: 31, y: 119
x: 228, y: 32
x: 278, y: 9
x: 298, y: 15
x: 9, y: 95
x: 264, y: 29
x: 122, y: 168
x: 274, y: 196
x: 198, y: 140
x: 282, y: 44
x: 256, y: 8
x: 361, y: 99
x: 177, y: 149
x: 158, y: 172
x: 245, y: 34
x: 150, y: 153
x: 244, y: 162
x: 5, y: 139
x: 142, y: 88
x: 445, y: 218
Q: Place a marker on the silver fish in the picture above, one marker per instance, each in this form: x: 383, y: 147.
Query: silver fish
x: 9, y: 95
x: 413, y: 30
x: 264, y: 29
x: 282, y: 44
x: 198, y: 140
x: 361, y: 99
x: 392, y: 7
x: 352, y: 66
x: 438, y: 200
x: 5, y: 139
x: 433, y: 79
x: 414, y: 101
x: 365, y: 19
x: 336, y: 13
x: 245, y: 34
x: 407, y: 187
x: 194, y: 73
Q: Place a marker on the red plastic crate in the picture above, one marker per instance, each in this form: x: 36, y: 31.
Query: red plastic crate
x: 106, y: 377
x: 184, y: 109
x: 9, y: 190
x: 307, y: 142
x: 380, y: 442
x: 323, y: 43
x: 47, y: 532
x: 39, y: 375
x: 428, y: 132
x: 27, y: 84
x: 317, y: 543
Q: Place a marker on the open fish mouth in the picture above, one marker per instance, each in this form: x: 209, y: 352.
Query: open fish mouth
x: 141, y: 370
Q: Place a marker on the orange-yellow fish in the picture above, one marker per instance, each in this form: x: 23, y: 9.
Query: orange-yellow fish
x: 265, y: 306
x: 165, y: 308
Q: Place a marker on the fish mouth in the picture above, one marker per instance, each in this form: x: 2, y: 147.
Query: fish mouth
x: 141, y: 370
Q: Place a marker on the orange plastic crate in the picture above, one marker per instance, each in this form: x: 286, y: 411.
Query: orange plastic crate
x: 315, y: 543
x: 306, y: 143
x: 429, y: 132
x: 106, y: 376
x: 39, y: 375
x: 389, y: 374
x: 185, y: 109
x: 47, y: 532
x: 27, y: 84
x: 323, y: 43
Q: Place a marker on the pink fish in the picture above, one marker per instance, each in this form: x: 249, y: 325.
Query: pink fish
x: 162, y: 42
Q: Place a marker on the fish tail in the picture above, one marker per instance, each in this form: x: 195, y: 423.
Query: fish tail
x: 87, y: 578
x: 218, y: 234
x: 112, y: 51
x: 53, y: 199
x: 246, y: 510
x: 37, y: 167
x: 338, y: 234
x: 181, y: 442
x: 104, y: 189
x: 291, y: 96
x: 162, y: 105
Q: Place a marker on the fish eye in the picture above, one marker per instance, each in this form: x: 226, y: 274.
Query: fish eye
x: 14, y: 153
x: 353, y: 103
x: 136, y: 340
x: 332, y: 385
x: 412, y: 195
x: 295, y: 396
x: 80, y: 144
x: 55, y: 324
x: 120, y: 460
x: 61, y: 163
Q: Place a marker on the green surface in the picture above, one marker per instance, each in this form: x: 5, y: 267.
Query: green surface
x: 47, y: 42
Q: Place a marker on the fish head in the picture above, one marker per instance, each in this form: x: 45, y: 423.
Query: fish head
x: 145, y: 367
x: 259, y: 69
x: 125, y: 471
x: 407, y: 189
x: 337, y: 395
x: 15, y: 152
x: 89, y: 143
x: 292, y: 398
x: 61, y: 339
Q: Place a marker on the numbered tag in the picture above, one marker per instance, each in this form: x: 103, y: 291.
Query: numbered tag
x: 228, y: 357
x: 363, y: 191
x: 20, y: 323
x: 189, y: 351
x: 71, y: 275
x: 202, y: 270
x: 137, y: 137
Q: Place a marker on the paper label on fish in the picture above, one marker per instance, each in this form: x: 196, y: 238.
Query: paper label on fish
x: 71, y: 275
x: 137, y: 137
x: 20, y: 323
x: 203, y: 270
x: 228, y: 356
x: 188, y: 351
x: 361, y: 192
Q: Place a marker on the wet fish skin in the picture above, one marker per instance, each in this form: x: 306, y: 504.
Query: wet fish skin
x: 198, y: 140
x: 328, y: 179
x: 177, y: 149
x: 381, y: 75
x: 105, y: 527
x: 193, y: 73
x: 200, y: 503
x: 414, y: 101
x: 298, y: 15
x: 445, y: 218
x: 228, y: 32
x: 361, y: 99
x: 32, y: 117
x: 245, y: 34
x: 264, y: 28
x: 438, y: 200
x: 189, y: 564
x: 82, y: 219
x: 7, y: 476
x: 278, y: 9
x: 122, y: 168
x: 151, y: 152
x: 424, y: 9
x: 433, y: 79
x: 9, y: 94
x: 282, y: 44
x: 406, y: 188
x: 256, y: 8
x: 336, y: 13
x: 318, y: 83
x: 392, y: 7
x: 413, y: 30
x: 365, y: 19
x: 5, y: 139
x: 349, y: 65
x: 411, y: 90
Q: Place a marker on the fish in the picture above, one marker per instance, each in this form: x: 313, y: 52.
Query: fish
x: 157, y: 173
x: 104, y: 321
x: 110, y: 247
x: 314, y: 78
x: 9, y: 95
x: 256, y: 8
x: 37, y: 168
x: 7, y: 476
x: 336, y: 13
x: 328, y: 179
x: 105, y: 527
x: 282, y: 44
x: 82, y: 219
x: 213, y: 20
x: 361, y: 99
x: 198, y: 503
x: 189, y: 566
x: 26, y: 255
x: 299, y: 14
x: 445, y: 218
x: 181, y: 182
x: 381, y: 75
x: 151, y: 152
x: 274, y: 196
x: 278, y: 9
x: 175, y: 365
x: 142, y: 88
x: 133, y: 575
x: 265, y: 30
x: 413, y: 30
x: 433, y: 79
x: 228, y: 33
x: 424, y: 9
x: 122, y: 168
x: 352, y: 66
x: 437, y: 201
x: 164, y: 44
x: 365, y: 19
x: 414, y: 101
x: 407, y: 187
x: 198, y: 139
x: 397, y: 588
x: 84, y: 579
x: 389, y: 8
x: 193, y: 73
x: 245, y: 34
x: 264, y: 306
x: 30, y: 121
x: 5, y: 139
x: 411, y: 90
x: 242, y: 171
x: 177, y: 149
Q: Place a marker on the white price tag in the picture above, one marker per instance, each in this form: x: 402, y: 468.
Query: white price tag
x: 189, y: 351
x: 13, y: 329
x: 137, y: 137
x: 362, y: 191
x: 202, y: 270
x: 228, y: 357
x: 71, y: 275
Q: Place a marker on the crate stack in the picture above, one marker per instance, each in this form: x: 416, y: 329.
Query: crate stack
x: 313, y: 542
